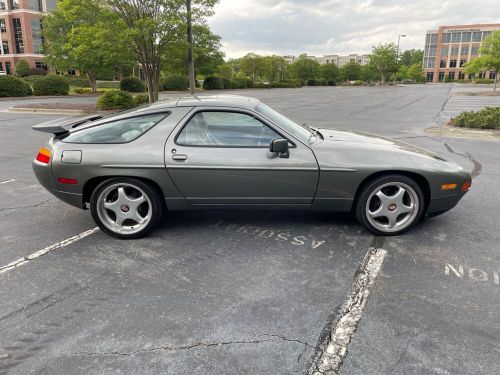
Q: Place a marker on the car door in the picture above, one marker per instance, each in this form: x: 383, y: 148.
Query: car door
x: 221, y: 156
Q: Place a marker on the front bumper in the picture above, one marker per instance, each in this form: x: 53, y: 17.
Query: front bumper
x: 440, y: 205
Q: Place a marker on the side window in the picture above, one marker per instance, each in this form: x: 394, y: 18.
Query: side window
x: 120, y: 131
x: 229, y: 129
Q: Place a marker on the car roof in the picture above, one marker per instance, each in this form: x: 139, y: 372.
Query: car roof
x: 206, y: 100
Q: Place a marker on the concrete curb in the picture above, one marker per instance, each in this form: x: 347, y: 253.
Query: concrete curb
x: 451, y: 131
x: 49, y: 111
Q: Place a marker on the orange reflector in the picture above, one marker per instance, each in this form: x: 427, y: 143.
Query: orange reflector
x: 69, y: 181
x: 448, y: 186
x: 43, y: 155
x: 466, y: 186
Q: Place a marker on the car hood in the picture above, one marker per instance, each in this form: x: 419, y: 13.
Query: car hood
x: 371, y: 144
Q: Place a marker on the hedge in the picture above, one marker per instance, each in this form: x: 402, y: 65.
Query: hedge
x: 37, y: 72
x: 213, y: 83
x: 141, y: 99
x: 115, y: 99
x: 108, y: 85
x: 12, y: 86
x: 286, y: 84
x: 132, y: 84
x: 78, y: 81
x: 175, y: 82
x: 487, y: 118
x: 51, y: 85
x: 86, y: 90
x: 22, y: 68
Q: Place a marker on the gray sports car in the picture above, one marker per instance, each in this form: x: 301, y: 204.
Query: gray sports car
x: 237, y: 153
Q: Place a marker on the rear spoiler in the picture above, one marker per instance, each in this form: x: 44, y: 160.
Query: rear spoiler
x: 62, y: 126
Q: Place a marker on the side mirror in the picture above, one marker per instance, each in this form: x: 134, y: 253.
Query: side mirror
x: 280, y: 146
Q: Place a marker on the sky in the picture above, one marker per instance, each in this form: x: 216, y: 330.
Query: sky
x: 322, y: 27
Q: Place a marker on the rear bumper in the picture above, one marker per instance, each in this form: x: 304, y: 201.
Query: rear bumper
x: 72, y: 199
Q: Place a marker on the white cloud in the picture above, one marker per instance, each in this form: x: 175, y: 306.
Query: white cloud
x: 332, y: 26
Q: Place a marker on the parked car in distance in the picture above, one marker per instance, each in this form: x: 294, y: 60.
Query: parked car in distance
x: 232, y: 152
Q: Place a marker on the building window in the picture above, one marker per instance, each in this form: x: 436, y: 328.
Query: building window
x: 481, y: 75
x: 40, y: 65
x: 34, y: 5
x: 453, y: 63
x: 3, y: 26
x: 466, y: 36
x: 454, y: 50
x: 451, y: 76
x: 455, y: 37
x: 430, y: 76
x: 8, y: 67
x: 51, y: 5
x: 3, y: 5
x: 14, y: 4
x: 461, y: 75
x: 429, y: 62
x: 462, y: 62
x: 18, y: 35
x: 441, y: 76
x: 476, y: 36
x: 446, y: 37
x: 36, y: 35
x: 5, y: 47
x: 474, y: 50
x: 465, y: 50
x: 486, y: 34
x: 444, y: 51
x: 492, y: 74
x: 442, y: 64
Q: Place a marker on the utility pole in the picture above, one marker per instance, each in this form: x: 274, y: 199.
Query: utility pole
x: 192, y: 85
x: 397, y: 58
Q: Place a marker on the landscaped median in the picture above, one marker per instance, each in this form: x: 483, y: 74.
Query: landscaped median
x: 487, y: 118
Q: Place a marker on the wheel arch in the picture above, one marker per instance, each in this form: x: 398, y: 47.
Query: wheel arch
x: 422, y: 182
x: 92, y: 184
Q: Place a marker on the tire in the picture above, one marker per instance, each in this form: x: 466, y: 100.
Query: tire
x: 390, y: 205
x: 126, y: 208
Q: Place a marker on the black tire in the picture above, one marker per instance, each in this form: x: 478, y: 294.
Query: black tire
x: 155, y: 204
x: 373, y: 186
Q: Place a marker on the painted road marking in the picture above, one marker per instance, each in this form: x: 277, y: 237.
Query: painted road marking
x: 332, y: 351
x: 474, y: 274
x: 37, y: 254
x: 6, y: 182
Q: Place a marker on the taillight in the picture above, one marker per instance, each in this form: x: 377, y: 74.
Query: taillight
x: 466, y: 186
x: 43, y: 155
x: 69, y: 181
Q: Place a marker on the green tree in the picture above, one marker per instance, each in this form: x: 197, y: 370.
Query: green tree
x: 22, y: 68
x: 275, y: 68
x: 254, y: 66
x: 85, y: 36
x: 411, y: 57
x: 383, y: 58
x: 305, y: 68
x: 350, y: 72
x: 490, y: 57
x: 330, y: 72
x: 369, y: 73
x: 415, y: 72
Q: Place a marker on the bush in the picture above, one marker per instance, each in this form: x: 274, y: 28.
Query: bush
x: 86, y: 90
x: 175, y: 82
x: 141, y: 99
x: 51, y: 85
x: 37, y: 72
x: 358, y: 83
x: 12, y: 86
x: 132, y: 84
x: 213, y: 83
x: 311, y: 82
x: 22, y: 68
x: 262, y: 85
x: 229, y: 84
x: 286, y: 84
x: 241, y: 83
x: 115, y: 99
x: 331, y: 82
x: 483, y: 81
x: 487, y: 118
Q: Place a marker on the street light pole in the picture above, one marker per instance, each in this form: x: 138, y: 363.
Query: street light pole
x: 397, y: 57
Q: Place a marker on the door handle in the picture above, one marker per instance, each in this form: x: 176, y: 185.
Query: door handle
x: 179, y: 157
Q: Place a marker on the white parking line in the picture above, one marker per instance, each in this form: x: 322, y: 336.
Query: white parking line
x: 26, y: 259
x: 6, y: 182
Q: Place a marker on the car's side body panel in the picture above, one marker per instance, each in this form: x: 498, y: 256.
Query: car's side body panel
x: 240, y: 175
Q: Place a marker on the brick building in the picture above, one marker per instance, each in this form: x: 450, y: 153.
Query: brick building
x: 21, y: 32
x: 450, y: 47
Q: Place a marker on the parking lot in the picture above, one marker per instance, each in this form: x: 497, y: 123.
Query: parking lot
x: 220, y: 292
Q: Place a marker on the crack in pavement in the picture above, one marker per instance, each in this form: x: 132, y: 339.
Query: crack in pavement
x: 404, y: 351
x: 478, y: 167
x: 28, y: 206
x: 276, y: 338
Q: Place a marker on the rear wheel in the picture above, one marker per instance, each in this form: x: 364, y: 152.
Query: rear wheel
x: 390, y: 205
x: 126, y: 208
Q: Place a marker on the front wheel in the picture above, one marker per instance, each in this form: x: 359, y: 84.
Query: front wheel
x: 390, y: 205
x: 126, y: 208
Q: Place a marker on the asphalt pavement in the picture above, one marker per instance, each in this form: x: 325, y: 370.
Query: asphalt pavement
x: 252, y: 292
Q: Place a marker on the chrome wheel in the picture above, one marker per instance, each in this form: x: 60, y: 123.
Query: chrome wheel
x: 124, y: 208
x: 392, y: 207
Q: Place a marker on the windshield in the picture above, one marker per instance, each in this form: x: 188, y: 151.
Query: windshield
x: 302, y: 133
